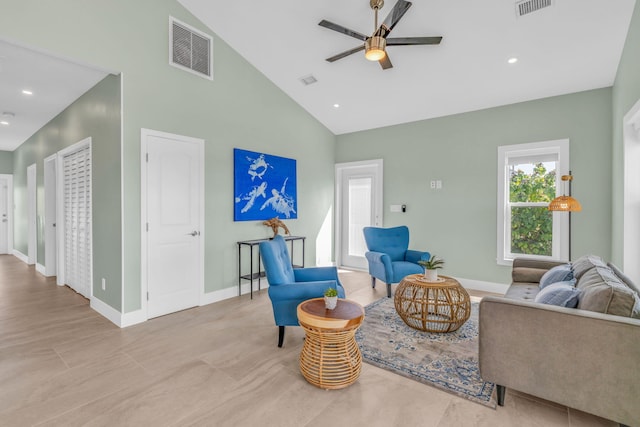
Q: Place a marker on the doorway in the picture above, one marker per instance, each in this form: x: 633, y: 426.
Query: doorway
x: 172, y: 197
x: 358, y: 205
x: 75, y: 261
x: 50, y: 238
x: 6, y: 214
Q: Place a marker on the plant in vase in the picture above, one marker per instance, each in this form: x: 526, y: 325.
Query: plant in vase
x: 431, y: 267
x: 331, y: 298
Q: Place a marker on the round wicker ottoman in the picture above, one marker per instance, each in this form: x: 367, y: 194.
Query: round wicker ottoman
x: 441, y: 306
x: 330, y: 357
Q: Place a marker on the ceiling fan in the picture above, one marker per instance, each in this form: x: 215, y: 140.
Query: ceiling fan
x: 374, y: 45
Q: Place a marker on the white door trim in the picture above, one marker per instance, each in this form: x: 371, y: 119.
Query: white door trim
x: 341, y: 168
x: 50, y: 245
x: 144, y: 135
x: 631, y: 197
x: 10, y: 208
x: 32, y: 214
x: 60, y: 228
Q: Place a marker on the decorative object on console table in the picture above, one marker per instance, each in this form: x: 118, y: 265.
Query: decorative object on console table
x: 264, y: 186
x: 275, y: 224
x: 431, y: 267
x: 566, y: 203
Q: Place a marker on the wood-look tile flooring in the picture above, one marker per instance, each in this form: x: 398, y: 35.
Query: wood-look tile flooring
x: 62, y: 364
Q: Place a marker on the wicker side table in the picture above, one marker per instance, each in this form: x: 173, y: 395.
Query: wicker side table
x: 330, y: 357
x: 441, y: 306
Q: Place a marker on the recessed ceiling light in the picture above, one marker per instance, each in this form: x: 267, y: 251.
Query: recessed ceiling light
x: 512, y: 60
x: 27, y: 92
x: 336, y: 105
x: 4, y: 122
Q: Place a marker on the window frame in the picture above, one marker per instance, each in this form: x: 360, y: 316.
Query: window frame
x: 560, y: 233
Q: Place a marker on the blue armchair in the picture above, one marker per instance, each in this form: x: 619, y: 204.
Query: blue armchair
x: 389, y: 258
x: 289, y: 287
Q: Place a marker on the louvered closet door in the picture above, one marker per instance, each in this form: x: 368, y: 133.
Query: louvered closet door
x: 77, y: 217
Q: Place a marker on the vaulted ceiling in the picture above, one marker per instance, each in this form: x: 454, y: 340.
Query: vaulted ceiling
x: 570, y: 46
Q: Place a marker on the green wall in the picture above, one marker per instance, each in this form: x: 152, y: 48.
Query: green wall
x: 95, y: 114
x: 6, y: 162
x: 626, y: 92
x: 458, y: 222
x: 240, y: 108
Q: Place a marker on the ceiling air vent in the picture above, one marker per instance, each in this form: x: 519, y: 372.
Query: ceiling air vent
x: 529, y: 6
x: 308, y: 80
x: 190, y: 49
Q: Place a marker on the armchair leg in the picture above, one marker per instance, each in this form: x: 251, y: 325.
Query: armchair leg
x: 373, y: 282
x: 280, y: 335
x: 500, y: 394
x: 388, y: 290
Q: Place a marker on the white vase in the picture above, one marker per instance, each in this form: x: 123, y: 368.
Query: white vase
x: 431, y: 275
x: 330, y: 302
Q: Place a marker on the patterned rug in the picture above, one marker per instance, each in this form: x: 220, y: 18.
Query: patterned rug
x: 447, y: 361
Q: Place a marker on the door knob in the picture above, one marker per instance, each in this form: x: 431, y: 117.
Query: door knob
x: 194, y: 233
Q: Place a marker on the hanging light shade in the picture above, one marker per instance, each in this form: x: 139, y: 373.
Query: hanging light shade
x: 565, y: 203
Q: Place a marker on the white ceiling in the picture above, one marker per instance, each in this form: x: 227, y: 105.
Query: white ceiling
x: 55, y: 84
x: 572, y: 46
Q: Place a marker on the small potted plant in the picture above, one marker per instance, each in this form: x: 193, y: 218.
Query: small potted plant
x: 331, y: 298
x: 431, y: 267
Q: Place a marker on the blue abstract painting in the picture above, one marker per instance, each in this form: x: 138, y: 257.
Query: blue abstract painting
x: 264, y: 186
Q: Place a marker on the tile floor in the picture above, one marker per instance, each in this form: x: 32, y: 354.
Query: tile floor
x: 62, y: 364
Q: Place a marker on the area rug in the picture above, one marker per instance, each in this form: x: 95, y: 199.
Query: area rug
x: 448, y: 361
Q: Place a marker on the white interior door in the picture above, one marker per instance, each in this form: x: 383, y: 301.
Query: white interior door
x: 32, y: 247
x: 360, y: 205
x: 76, y: 227
x: 50, y: 240
x: 4, y: 215
x: 174, y: 206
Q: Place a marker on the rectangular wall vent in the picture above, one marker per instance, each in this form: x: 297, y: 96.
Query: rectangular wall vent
x: 529, y: 6
x: 190, y: 49
x: 308, y: 80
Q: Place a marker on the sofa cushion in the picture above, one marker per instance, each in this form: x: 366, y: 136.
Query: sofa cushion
x: 586, y: 263
x: 563, y: 294
x: 625, y: 279
x: 522, y: 291
x: 604, y: 292
x: 557, y: 274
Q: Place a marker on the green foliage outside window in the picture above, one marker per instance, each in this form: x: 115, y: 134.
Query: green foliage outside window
x: 532, y: 227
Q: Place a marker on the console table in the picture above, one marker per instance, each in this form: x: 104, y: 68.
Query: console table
x: 251, y: 244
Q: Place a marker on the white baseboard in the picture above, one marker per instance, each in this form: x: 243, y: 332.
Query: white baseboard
x: 107, y: 311
x: 498, y: 288
x: 123, y: 320
x: 132, y: 318
x: 231, y: 292
x: 40, y: 269
x: 22, y: 257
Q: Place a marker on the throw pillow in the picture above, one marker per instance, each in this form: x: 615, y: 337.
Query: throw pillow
x: 557, y: 274
x: 562, y: 294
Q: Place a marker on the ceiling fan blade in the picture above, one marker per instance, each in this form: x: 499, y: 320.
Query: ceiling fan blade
x: 386, y: 62
x: 393, y: 17
x: 343, y: 30
x: 404, y: 41
x: 345, y: 53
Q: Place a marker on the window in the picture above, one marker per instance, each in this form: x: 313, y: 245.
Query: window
x: 528, y: 179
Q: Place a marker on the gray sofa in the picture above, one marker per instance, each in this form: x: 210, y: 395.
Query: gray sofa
x: 587, y: 358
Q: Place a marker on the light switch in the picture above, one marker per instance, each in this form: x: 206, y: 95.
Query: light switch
x: 396, y: 208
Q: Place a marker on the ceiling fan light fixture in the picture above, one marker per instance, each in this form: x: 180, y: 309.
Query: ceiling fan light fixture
x: 374, y: 48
